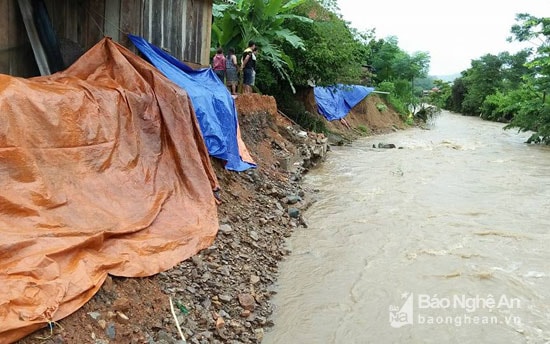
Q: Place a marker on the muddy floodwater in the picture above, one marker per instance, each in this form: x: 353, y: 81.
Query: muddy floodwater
x: 444, y: 241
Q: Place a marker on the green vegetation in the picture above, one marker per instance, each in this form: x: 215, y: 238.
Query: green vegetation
x: 306, y: 42
x: 363, y: 128
x: 262, y: 22
x: 381, y: 107
x: 311, y: 122
x: 508, y: 88
x: 397, y: 95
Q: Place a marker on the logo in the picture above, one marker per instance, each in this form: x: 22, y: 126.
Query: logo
x: 457, y: 310
x: 401, y: 316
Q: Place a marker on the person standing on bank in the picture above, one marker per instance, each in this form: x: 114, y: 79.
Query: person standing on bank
x: 218, y: 64
x: 249, y: 67
x: 231, y: 67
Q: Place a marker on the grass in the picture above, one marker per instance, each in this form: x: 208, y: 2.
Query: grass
x: 381, y: 107
x: 363, y: 128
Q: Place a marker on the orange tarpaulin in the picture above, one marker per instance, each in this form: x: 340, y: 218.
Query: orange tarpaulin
x: 103, y: 169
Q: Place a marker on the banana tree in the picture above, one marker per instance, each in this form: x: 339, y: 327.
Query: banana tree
x: 262, y: 21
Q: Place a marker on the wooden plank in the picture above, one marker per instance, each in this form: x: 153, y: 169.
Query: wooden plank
x: 189, y: 34
x: 95, y: 26
x: 16, y: 56
x: 54, y: 8
x: 147, y: 20
x: 5, y: 48
x: 82, y: 23
x: 176, y: 29
x: 112, y: 19
x: 199, y: 5
x: 156, y: 23
x: 183, y: 34
x: 13, y: 40
x: 130, y: 20
x: 206, y: 29
x: 166, y: 25
x: 71, y: 21
x: 22, y: 61
x: 40, y: 55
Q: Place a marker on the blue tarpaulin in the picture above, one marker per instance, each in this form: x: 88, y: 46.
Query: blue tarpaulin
x: 214, y: 105
x: 334, y: 102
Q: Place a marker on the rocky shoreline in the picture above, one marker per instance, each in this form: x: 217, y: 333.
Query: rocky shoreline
x: 226, y: 288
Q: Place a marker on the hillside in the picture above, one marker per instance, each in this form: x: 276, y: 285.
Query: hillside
x: 223, y: 293
x: 371, y: 116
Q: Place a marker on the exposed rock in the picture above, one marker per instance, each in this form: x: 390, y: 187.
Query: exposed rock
x: 247, y: 301
x: 225, y: 298
x: 122, y: 304
x: 220, y: 323
x: 226, y: 229
x: 386, y: 145
x: 122, y: 318
x: 102, y: 323
x: 110, y: 331
x: 94, y: 315
x: 293, y: 199
x: 259, y: 332
x: 254, y: 279
x: 294, y: 212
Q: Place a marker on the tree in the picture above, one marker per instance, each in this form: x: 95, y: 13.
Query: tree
x: 384, y: 52
x: 262, y: 21
x: 458, y: 93
x: 514, y: 69
x: 483, y: 78
x: 441, y: 95
x: 534, y: 112
x: 333, y: 52
x: 330, y: 5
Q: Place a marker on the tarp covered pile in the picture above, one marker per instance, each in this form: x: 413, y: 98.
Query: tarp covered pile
x: 214, y: 106
x: 103, y: 169
x: 335, y: 102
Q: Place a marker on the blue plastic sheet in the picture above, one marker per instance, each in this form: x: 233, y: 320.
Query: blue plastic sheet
x: 214, y: 106
x: 335, y: 102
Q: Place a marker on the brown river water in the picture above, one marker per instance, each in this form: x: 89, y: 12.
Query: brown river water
x: 444, y: 241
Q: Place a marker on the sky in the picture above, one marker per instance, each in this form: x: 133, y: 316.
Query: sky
x: 453, y: 32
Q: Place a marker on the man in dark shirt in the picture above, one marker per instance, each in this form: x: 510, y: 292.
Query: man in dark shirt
x: 249, y: 67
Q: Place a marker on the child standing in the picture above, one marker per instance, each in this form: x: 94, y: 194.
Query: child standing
x: 231, y: 67
x: 218, y: 64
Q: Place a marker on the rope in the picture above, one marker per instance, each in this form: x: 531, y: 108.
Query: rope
x: 107, y: 22
x: 95, y: 22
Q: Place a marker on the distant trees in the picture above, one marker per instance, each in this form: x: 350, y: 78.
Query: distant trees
x: 534, y: 112
x: 441, y: 97
x: 511, y: 88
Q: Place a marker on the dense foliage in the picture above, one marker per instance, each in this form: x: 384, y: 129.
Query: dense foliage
x: 262, y: 22
x: 510, y: 88
x: 306, y: 42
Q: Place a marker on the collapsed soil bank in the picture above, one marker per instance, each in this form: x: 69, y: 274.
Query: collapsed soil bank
x: 222, y: 294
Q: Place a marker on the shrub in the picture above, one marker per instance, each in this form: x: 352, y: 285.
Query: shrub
x: 381, y: 107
